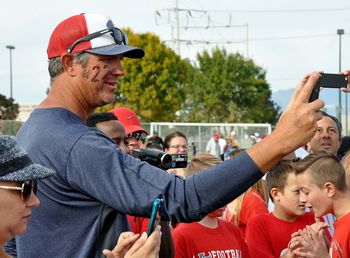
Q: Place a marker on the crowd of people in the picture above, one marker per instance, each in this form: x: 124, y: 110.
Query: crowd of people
x: 95, y: 196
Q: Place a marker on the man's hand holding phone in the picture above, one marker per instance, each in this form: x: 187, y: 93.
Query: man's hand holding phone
x: 347, y: 74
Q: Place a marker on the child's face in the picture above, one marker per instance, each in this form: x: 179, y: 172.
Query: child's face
x: 289, y: 201
x: 315, y: 197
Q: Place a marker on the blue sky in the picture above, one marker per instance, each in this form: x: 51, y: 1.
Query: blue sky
x: 287, y: 38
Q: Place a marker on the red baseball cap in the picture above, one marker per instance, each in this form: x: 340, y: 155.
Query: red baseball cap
x: 129, y: 119
x: 110, y: 41
x: 216, y: 135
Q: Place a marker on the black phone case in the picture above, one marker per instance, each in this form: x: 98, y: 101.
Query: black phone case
x: 328, y: 80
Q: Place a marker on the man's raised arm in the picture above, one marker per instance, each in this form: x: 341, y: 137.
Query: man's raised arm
x: 296, y: 126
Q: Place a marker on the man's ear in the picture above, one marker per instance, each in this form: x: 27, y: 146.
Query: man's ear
x: 308, y: 147
x: 274, y: 193
x: 68, y: 64
x: 330, y: 189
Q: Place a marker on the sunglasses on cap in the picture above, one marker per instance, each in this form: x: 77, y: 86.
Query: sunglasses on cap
x: 138, y: 135
x: 120, y: 37
x: 26, y: 189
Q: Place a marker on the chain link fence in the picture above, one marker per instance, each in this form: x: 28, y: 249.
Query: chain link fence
x: 201, y: 133
x: 197, y: 133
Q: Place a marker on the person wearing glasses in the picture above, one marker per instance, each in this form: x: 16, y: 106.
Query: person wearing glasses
x: 18, y: 185
x: 176, y: 142
x: 136, y: 134
x: 85, y: 55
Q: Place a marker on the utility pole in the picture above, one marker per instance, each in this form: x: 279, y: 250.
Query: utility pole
x: 177, y: 27
x: 173, y: 18
x: 341, y: 32
x: 9, y: 47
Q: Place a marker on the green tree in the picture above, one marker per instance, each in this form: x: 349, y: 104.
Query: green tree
x: 8, y: 107
x: 154, y: 87
x: 229, y: 89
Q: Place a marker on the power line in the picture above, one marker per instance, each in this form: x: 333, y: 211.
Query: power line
x: 190, y: 14
x: 294, y: 37
x: 277, y: 11
x: 188, y: 41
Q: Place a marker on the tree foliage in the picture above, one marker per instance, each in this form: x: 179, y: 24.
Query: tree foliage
x: 229, y: 88
x: 223, y: 87
x: 8, y: 107
x: 154, y: 86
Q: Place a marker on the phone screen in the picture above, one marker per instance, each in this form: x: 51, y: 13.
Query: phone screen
x: 155, y: 217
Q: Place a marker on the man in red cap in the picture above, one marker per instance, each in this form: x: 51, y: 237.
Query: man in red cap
x: 85, y: 53
x: 132, y: 125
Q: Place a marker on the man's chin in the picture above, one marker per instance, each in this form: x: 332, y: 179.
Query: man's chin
x: 107, y: 101
x: 327, y: 149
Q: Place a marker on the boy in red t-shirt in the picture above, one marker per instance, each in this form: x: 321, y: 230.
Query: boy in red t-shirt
x: 210, y: 237
x: 268, y: 235
x: 321, y: 178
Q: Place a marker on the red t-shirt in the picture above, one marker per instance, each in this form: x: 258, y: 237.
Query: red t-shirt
x: 252, y: 205
x: 340, y: 246
x: 268, y: 236
x: 194, y: 240
x: 138, y: 224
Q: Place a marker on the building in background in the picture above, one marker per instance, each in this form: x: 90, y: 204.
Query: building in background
x: 24, y: 112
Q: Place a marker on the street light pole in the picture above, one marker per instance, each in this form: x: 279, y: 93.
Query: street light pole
x: 10, y: 48
x: 340, y: 32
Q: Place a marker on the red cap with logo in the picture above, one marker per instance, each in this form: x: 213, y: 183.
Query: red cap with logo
x: 92, y: 33
x: 128, y: 119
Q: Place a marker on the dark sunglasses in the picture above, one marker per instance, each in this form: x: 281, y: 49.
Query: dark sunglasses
x: 138, y: 135
x: 26, y: 189
x: 120, y: 37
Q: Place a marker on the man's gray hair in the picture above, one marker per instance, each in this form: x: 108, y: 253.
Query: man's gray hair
x: 55, y: 64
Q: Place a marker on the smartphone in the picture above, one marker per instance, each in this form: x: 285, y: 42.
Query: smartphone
x: 328, y: 80
x: 155, y: 217
x: 331, y: 80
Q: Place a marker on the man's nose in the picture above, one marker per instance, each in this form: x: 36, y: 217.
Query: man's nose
x: 117, y: 67
x: 325, y: 134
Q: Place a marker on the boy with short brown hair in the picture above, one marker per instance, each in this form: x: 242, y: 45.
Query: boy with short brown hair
x: 268, y: 235
x: 321, y: 178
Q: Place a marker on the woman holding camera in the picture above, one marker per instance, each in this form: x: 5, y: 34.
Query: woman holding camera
x: 176, y: 143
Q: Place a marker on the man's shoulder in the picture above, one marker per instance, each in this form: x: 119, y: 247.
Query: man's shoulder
x: 52, y: 125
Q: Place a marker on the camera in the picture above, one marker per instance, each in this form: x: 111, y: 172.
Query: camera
x: 161, y: 159
x: 328, y: 80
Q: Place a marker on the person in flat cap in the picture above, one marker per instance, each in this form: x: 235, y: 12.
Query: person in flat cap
x: 85, y: 55
x: 18, y: 188
x: 18, y: 185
